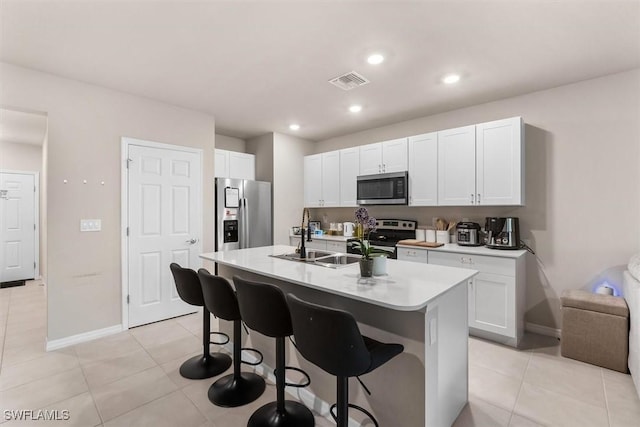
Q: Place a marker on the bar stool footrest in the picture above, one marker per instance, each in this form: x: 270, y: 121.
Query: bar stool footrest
x: 357, y: 408
x: 253, y: 350
x: 293, y: 368
x: 225, y: 336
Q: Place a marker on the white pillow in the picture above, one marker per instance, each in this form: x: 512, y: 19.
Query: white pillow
x: 634, y: 266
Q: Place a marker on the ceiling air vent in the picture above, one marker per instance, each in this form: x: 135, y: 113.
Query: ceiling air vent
x: 349, y: 81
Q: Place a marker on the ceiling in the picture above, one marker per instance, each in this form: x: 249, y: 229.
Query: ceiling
x: 22, y: 127
x: 259, y: 66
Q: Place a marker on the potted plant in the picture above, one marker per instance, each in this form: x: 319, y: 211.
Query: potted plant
x: 368, y: 252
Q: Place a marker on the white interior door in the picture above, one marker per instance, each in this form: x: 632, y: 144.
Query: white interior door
x: 18, y: 222
x: 165, y: 226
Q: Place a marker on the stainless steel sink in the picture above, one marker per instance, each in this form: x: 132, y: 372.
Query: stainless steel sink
x: 323, y: 259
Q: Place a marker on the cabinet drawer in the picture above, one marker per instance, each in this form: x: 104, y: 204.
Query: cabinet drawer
x: 484, y: 264
x: 415, y: 255
x: 336, y: 246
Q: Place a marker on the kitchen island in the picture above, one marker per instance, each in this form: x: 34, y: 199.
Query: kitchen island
x: 423, y: 307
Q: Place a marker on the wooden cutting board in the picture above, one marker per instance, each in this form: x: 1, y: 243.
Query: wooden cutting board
x: 421, y: 243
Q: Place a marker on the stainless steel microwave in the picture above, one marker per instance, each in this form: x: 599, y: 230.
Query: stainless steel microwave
x: 383, y: 189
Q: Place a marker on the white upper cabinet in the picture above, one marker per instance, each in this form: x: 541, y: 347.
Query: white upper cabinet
x: 331, y: 179
x: 349, y: 169
x: 423, y: 170
x: 322, y: 180
x: 221, y: 165
x: 232, y: 164
x: 371, y: 159
x: 394, y: 155
x: 500, y: 163
x: 312, y: 180
x: 457, y: 166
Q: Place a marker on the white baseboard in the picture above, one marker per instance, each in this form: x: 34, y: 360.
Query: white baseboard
x: 83, y: 337
x: 306, y: 396
x: 542, y: 330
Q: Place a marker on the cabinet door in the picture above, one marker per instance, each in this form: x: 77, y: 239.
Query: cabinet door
x: 334, y: 246
x: 312, y: 180
x: 330, y: 179
x: 500, y: 163
x: 457, y: 167
x: 423, y: 170
x: 319, y: 245
x: 221, y: 165
x: 349, y: 170
x: 492, y: 304
x: 394, y: 155
x: 242, y: 165
x: 415, y: 255
x: 371, y: 159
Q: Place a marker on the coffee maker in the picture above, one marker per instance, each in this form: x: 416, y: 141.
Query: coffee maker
x: 502, y: 233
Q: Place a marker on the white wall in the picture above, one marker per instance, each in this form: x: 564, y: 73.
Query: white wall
x: 86, y: 123
x: 23, y: 157
x: 583, y: 180
x: 230, y: 143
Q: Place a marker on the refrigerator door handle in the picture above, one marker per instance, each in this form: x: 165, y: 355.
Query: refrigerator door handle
x: 246, y: 224
x: 241, y: 224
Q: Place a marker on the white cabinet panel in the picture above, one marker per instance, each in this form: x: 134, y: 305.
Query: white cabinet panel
x: 334, y: 246
x: 423, y: 170
x: 242, y: 165
x: 500, y: 163
x: 349, y: 170
x: 319, y: 245
x: 312, y: 180
x: 487, y: 264
x: 330, y: 179
x: 394, y: 155
x: 371, y: 159
x: 415, y: 255
x: 457, y: 167
x: 492, y: 303
x: 221, y: 165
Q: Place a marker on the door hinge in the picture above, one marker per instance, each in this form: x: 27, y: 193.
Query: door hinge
x: 127, y: 231
x: 34, y: 226
x: 127, y: 299
x: 129, y: 161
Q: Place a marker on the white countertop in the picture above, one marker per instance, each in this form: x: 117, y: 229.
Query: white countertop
x: 324, y: 237
x: 409, y: 286
x: 472, y: 250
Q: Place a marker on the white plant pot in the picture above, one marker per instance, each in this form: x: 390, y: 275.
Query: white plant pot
x: 379, y: 265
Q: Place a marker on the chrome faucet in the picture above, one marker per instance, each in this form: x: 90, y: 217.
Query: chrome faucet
x: 305, y: 214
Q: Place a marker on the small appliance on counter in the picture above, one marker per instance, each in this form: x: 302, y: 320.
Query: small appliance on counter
x: 468, y: 234
x: 503, y: 233
x: 348, y: 228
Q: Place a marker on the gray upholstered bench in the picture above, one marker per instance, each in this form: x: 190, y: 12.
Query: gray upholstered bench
x: 595, y: 329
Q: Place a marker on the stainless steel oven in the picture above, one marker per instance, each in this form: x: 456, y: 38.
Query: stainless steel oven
x: 383, y: 189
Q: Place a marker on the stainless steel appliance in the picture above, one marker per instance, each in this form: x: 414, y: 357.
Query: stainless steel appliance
x: 383, y: 189
x: 243, y: 214
x: 502, y: 233
x: 468, y: 234
x: 387, y: 235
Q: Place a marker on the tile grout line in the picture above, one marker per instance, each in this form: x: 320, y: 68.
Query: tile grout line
x: 524, y: 374
x: 93, y: 400
x: 606, y: 400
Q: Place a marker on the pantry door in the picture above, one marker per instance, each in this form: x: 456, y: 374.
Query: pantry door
x: 18, y: 226
x: 164, y: 221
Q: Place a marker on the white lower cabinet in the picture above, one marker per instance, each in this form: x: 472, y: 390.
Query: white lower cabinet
x: 496, y: 293
x: 320, y: 244
x: 335, y: 246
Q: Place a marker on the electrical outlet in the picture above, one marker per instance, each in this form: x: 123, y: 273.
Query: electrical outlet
x: 90, y: 225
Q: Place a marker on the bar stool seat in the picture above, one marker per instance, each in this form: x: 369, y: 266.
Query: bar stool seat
x: 206, y: 365
x: 264, y: 309
x: 330, y: 339
x: 238, y: 388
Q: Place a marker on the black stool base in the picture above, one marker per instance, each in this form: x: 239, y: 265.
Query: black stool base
x: 198, y: 368
x: 231, y: 391
x: 295, y: 415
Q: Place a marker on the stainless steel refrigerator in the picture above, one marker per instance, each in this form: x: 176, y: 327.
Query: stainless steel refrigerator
x: 243, y: 214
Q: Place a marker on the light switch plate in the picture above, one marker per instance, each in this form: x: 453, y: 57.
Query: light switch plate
x: 90, y: 225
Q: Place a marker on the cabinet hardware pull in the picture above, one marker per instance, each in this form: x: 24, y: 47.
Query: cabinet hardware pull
x: 478, y: 198
x: 472, y: 195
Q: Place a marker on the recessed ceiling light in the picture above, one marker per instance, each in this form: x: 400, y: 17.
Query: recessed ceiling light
x: 355, y: 108
x: 375, y: 59
x: 294, y: 126
x: 451, y: 78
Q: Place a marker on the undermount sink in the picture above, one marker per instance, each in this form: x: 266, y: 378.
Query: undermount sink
x: 323, y: 259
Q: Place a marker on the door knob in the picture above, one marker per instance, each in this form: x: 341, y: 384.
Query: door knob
x: 192, y: 241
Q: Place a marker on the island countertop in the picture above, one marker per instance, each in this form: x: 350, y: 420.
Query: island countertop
x: 408, y: 286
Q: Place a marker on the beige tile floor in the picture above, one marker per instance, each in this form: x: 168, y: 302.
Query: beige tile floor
x: 132, y: 379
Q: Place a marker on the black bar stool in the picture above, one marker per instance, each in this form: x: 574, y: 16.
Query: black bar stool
x: 264, y: 309
x: 238, y: 388
x: 208, y: 365
x: 330, y: 339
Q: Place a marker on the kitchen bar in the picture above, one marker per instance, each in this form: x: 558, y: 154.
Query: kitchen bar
x: 421, y: 306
